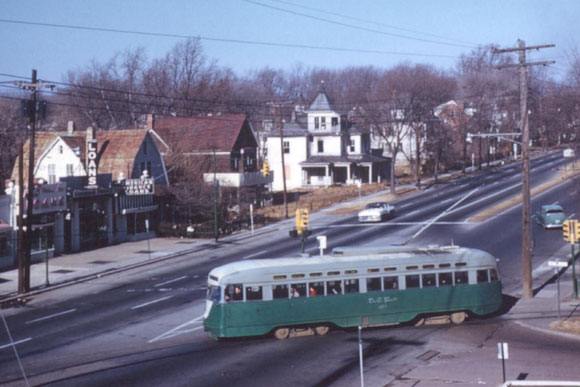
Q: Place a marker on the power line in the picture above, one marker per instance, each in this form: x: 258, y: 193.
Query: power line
x: 352, y: 26
x: 223, y: 40
x: 372, y: 22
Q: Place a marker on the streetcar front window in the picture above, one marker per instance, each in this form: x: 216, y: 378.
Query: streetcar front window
x: 213, y: 293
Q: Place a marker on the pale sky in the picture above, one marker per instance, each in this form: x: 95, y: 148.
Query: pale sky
x: 252, y: 34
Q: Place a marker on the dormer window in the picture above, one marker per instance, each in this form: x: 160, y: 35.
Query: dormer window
x: 60, y: 149
x: 352, y: 145
x: 316, y: 122
x: 323, y: 122
x: 334, y: 121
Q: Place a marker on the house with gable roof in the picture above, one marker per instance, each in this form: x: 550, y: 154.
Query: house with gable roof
x: 323, y: 148
x: 68, y: 214
x: 226, y: 141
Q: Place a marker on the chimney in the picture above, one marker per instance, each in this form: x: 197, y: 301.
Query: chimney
x: 150, y: 121
x: 90, y: 133
x: 70, y: 128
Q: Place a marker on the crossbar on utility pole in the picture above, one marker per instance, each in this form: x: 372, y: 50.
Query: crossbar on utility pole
x: 526, y: 210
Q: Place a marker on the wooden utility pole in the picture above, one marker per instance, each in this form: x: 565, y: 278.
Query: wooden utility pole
x: 526, y: 210
x: 33, y: 110
x: 278, y: 105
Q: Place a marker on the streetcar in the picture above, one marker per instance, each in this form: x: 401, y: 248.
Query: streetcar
x: 351, y: 287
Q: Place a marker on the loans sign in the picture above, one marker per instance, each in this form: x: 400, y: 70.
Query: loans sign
x: 92, y: 169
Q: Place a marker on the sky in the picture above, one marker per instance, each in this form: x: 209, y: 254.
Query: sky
x: 247, y: 35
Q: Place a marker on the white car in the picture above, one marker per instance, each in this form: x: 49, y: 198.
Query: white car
x: 376, y: 212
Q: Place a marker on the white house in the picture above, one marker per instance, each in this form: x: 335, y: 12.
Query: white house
x: 321, y: 149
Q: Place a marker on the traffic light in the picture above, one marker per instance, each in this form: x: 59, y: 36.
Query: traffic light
x: 566, y: 230
x: 305, y: 218
x: 576, y: 231
x: 265, y: 168
x: 298, y: 221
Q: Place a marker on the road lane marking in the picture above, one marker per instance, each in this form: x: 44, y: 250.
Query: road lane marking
x: 255, y: 254
x: 15, y: 343
x: 51, y: 316
x: 151, y: 302
x: 167, y: 334
x: 447, y: 211
x: 170, y: 281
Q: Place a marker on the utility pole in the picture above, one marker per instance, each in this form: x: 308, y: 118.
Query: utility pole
x: 526, y: 210
x: 278, y: 105
x: 33, y: 110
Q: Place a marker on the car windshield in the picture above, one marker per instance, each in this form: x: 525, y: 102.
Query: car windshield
x: 374, y: 205
x: 554, y: 211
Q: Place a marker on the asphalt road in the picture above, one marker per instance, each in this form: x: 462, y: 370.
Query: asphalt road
x: 144, y: 326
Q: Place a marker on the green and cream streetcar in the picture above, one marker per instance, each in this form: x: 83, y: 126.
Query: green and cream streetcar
x: 351, y: 287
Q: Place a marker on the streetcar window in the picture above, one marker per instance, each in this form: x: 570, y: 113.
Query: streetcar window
x: 351, y: 286
x: 333, y: 288
x: 444, y: 265
x: 412, y: 267
x: 445, y: 279
x: 391, y: 283
x: 429, y: 280
x: 297, y: 290
x: 316, y: 274
x: 482, y: 276
x: 280, y: 277
x: 213, y: 293
x: 390, y: 268
x: 234, y: 293
x: 253, y: 293
x: 493, y: 275
x: 316, y: 289
x: 461, y: 277
x: 412, y: 281
x: 374, y: 284
x: 280, y: 291
x: 458, y: 264
x: 372, y: 270
x: 297, y: 275
x: 350, y: 271
x: 428, y: 266
x: 333, y: 273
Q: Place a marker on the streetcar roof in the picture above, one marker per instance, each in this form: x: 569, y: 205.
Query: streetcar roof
x: 348, y: 259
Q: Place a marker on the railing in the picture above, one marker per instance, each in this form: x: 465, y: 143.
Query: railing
x: 239, y: 179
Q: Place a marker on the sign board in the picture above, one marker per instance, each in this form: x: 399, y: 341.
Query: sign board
x: 568, y: 152
x: 139, y: 186
x: 92, y: 169
x: 557, y: 263
x: 502, y: 351
x: 321, y: 241
x: 47, y: 198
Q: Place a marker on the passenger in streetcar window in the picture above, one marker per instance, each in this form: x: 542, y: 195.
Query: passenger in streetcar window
x: 312, y: 292
x: 237, y: 295
x: 294, y: 293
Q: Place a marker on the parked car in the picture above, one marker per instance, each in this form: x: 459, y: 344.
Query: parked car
x: 376, y: 212
x: 551, y: 216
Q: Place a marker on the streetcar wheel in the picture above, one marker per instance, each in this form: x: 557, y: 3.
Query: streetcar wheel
x: 420, y: 322
x: 321, y: 330
x: 282, y: 333
x: 457, y: 318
